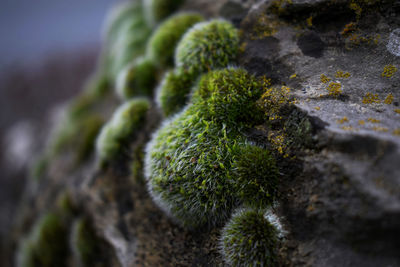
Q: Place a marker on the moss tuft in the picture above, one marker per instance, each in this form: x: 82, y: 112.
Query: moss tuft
x: 47, y: 245
x: 173, y: 92
x: 257, y: 176
x: 85, y: 243
x: 250, y: 239
x: 115, y: 135
x: 162, y: 43
x: 157, y: 10
x: 229, y: 96
x: 137, y: 79
x: 208, y: 45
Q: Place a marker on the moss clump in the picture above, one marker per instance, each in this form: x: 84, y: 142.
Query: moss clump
x: 78, y: 134
x: 229, y: 96
x: 137, y: 79
x: 86, y: 245
x: 157, y: 10
x: 250, y: 239
x: 208, y: 45
x: 47, y: 245
x: 162, y: 43
x: 193, y: 163
x: 115, y: 135
x: 126, y: 37
x: 173, y: 92
x: 257, y: 176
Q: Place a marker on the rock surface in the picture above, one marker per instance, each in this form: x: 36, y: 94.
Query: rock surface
x: 339, y: 195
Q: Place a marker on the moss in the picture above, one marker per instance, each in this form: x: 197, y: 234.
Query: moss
x: 162, y: 43
x: 193, y: 164
x: 173, y: 92
x: 47, y: 245
x: 85, y: 243
x: 229, y: 96
x: 208, y: 45
x: 77, y: 135
x: 126, y: 36
x: 137, y: 164
x: 137, y: 79
x: 39, y: 168
x: 250, y: 239
x: 115, y: 135
x: 66, y: 207
x: 257, y: 176
x: 157, y: 10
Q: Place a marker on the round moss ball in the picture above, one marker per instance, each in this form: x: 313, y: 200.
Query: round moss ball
x: 173, y: 91
x: 162, y: 43
x: 250, y: 239
x: 188, y: 168
x: 137, y: 79
x: 115, y: 136
x: 157, y: 10
x: 208, y: 45
x: 229, y: 96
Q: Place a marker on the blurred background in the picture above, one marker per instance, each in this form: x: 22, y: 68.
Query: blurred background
x: 48, y: 49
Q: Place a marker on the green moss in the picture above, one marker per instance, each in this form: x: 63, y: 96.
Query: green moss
x: 115, y: 136
x: 66, y: 207
x: 193, y: 163
x: 257, y: 176
x: 229, y: 96
x: 137, y: 164
x: 173, y: 92
x: 126, y: 36
x: 162, y: 43
x: 137, y: 79
x: 208, y: 45
x: 39, y: 168
x: 85, y: 243
x: 47, y: 245
x: 250, y: 239
x: 157, y: 10
x: 77, y: 135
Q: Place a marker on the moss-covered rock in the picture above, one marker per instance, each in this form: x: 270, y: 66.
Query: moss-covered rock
x: 115, y: 135
x: 162, y: 43
x: 208, y: 45
x: 250, y: 239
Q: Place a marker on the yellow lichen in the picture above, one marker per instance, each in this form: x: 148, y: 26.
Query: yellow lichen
x: 396, y: 132
x: 309, y: 21
x: 324, y: 78
x: 293, y: 76
x: 342, y: 120
x: 397, y: 110
x: 389, y: 71
x: 317, y: 108
x: 348, y: 29
x: 348, y: 128
x: 372, y: 120
x: 273, y: 99
x: 356, y: 8
x: 278, y: 142
x: 380, y: 129
x: 389, y: 99
x: 370, y: 98
x: 361, y: 122
x: 264, y: 27
x: 341, y: 74
x: 335, y: 89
